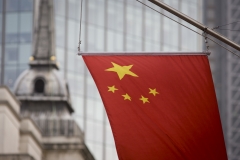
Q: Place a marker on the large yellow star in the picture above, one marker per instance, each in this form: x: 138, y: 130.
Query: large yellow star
x: 127, y: 97
x: 153, y: 91
x: 112, y: 89
x: 121, y: 70
x: 144, y: 100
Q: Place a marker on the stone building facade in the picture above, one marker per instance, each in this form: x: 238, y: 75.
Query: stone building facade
x: 36, y: 121
x: 22, y: 139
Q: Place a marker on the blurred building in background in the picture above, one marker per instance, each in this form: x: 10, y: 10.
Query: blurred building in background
x: 36, y: 123
x: 108, y: 25
x: 224, y: 17
x: 23, y: 139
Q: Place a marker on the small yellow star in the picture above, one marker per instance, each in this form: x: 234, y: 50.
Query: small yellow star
x: 144, y: 100
x: 112, y: 89
x: 127, y: 97
x: 153, y: 91
x: 122, y: 70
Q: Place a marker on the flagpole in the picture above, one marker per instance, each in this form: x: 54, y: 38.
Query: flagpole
x: 196, y: 24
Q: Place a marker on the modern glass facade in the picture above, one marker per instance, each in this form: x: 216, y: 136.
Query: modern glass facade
x: 108, y: 25
x: 16, y: 23
x: 226, y: 68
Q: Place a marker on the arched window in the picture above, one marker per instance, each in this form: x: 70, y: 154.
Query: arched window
x: 39, y: 86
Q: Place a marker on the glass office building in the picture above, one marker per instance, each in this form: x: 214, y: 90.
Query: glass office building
x: 226, y: 68
x: 107, y: 25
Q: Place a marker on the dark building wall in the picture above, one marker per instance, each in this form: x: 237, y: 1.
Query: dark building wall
x: 215, y: 15
x: 221, y: 15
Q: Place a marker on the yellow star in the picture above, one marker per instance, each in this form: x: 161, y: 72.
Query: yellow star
x: 112, y: 89
x: 127, y: 97
x: 153, y: 91
x: 121, y: 70
x: 144, y: 100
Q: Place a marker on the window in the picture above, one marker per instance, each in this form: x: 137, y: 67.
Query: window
x: 60, y: 7
x: 26, y: 5
x: 12, y: 28
x: 39, y: 86
x: 25, y: 27
x: 11, y: 52
x: 60, y: 31
x: 12, y: 5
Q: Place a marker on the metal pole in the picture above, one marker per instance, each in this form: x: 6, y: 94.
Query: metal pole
x: 196, y: 24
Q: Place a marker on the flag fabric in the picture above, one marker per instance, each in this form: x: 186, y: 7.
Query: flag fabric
x: 160, y: 107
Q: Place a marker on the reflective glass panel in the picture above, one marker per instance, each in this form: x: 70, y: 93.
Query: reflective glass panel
x: 12, y: 28
x: 12, y: 5
x: 26, y: 5
x: 11, y: 54
x: 25, y: 29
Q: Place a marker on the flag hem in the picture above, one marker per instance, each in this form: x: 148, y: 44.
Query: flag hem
x: 141, y: 53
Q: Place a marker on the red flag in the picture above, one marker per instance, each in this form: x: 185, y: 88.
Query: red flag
x: 160, y: 107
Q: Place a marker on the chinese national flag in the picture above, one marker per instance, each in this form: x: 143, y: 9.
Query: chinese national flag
x: 160, y: 107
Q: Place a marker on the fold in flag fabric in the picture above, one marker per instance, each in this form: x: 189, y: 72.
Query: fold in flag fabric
x: 160, y: 107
